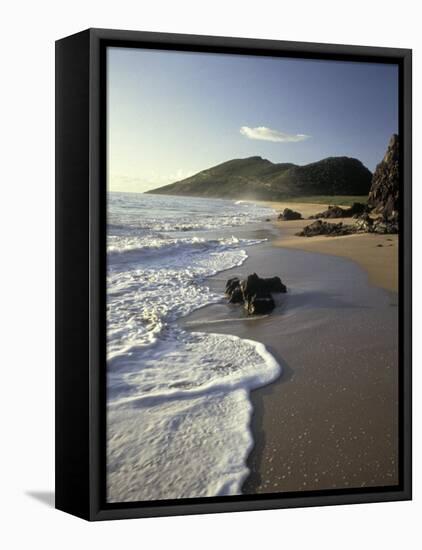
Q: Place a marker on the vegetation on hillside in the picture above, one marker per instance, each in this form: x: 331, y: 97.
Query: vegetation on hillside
x: 260, y: 179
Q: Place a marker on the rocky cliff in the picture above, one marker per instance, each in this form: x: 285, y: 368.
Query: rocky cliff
x: 384, y: 192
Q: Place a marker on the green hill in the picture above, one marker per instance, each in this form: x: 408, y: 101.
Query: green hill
x: 258, y: 178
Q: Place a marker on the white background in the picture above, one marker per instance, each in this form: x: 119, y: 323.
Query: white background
x: 29, y: 29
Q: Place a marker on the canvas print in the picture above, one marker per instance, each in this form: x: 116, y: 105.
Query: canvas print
x: 253, y: 211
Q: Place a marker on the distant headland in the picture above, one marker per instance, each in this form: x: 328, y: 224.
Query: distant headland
x: 256, y: 178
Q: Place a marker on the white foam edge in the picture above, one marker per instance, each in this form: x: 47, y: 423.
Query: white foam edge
x: 272, y: 373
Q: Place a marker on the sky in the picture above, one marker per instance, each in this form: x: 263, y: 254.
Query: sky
x: 171, y: 114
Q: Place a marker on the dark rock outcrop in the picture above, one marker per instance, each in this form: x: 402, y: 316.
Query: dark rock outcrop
x: 254, y: 285
x: 385, y: 226
x: 254, y: 292
x: 364, y: 223
x: 357, y: 209
x: 274, y: 284
x: 260, y: 304
x: 384, y: 192
x: 324, y: 228
x: 332, y: 211
x: 233, y: 291
x: 289, y: 214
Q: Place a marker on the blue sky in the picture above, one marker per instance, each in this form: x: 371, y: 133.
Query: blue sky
x: 172, y: 114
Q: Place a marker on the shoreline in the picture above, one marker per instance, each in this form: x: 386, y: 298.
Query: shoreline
x: 376, y: 254
x: 325, y: 424
x: 382, y: 270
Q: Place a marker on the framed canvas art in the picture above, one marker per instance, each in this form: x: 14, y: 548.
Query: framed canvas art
x: 233, y: 274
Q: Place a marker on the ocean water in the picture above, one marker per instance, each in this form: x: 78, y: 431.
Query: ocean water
x: 178, y: 408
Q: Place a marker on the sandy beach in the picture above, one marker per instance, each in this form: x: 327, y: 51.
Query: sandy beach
x: 377, y: 254
x: 330, y: 420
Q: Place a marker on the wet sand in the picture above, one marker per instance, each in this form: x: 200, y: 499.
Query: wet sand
x: 377, y: 254
x: 330, y: 420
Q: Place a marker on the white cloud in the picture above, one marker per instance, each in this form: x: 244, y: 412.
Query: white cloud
x: 267, y: 134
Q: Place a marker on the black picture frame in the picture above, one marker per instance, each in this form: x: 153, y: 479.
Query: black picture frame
x: 80, y: 272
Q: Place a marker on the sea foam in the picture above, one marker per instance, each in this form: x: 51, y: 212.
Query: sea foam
x: 178, y: 408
